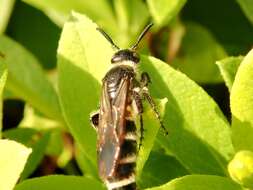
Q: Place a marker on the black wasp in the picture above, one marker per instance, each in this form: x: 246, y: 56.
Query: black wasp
x: 120, y: 104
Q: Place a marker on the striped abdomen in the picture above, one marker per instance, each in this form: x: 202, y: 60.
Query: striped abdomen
x: 125, y: 171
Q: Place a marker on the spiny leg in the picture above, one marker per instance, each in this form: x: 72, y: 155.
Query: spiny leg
x: 145, y: 80
x: 138, y: 102
x: 142, y: 132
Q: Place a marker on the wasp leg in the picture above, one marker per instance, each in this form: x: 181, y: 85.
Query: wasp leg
x: 139, y: 106
x: 145, y: 80
x: 142, y: 132
x: 94, y: 119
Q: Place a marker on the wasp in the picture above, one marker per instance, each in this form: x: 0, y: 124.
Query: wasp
x: 120, y: 105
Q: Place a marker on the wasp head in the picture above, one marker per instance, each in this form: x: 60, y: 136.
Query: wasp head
x: 125, y: 55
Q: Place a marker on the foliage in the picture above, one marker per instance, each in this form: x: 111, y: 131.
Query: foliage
x: 202, y: 147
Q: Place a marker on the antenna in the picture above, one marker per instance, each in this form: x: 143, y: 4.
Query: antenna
x: 134, y: 47
x: 108, y: 38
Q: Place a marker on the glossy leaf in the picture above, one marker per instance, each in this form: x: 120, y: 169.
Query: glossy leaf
x: 3, y: 77
x: 159, y: 169
x: 199, y: 134
x: 163, y: 11
x: 59, y: 11
x: 59, y: 181
x: 200, y: 182
x: 228, y: 68
x: 6, y: 7
x: 82, y: 50
x: 33, y: 119
x: 30, y: 138
x: 27, y: 80
x: 197, y: 60
x: 242, y: 105
x: 247, y: 7
x: 12, y: 161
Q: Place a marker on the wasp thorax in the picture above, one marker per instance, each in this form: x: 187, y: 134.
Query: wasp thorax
x: 125, y: 55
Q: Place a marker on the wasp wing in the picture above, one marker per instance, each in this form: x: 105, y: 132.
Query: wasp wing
x: 111, y: 127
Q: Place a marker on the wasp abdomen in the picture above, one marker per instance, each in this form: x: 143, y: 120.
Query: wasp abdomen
x: 125, y: 172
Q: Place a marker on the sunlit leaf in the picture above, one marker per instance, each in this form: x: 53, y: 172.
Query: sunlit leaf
x: 242, y: 105
x: 59, y: 11
x: 163, y: 11
x: 228, y: 68
x: 27, y: 80
x: 3, y: 76
x: 6, y: 7
x: 200, y: 182
x: 201, y: 142
x: 12, y: 161
x: 247, y: 8
x: 59, y: 182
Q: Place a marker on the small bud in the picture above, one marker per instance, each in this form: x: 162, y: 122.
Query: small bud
x: 240, y: 168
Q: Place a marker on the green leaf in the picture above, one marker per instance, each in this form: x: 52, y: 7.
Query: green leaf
x: 247, y: 7
x: 82, y: 50
x: 12, y: 161
x: 199, y: 51
x: 242, y: 104
x: 199, y: 134
x: 45, y: 34
x: 27, y: 80
x: 6, y: 7
x: 59, y: 11
x: 85, y: 164
x: 159, y: 169
x: 21, y: 135
x: 30, y: 138
x: 3, y: 77
x: 226, y: 24
x: 200, y: 182
x: 39, y: 149
x: 59, y: 182
x: 132, y: 16
x: 55, y: 144
x: 164, y: 11
x: 9, y: 95
x: 33, y: 119
x: 228, y: 68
